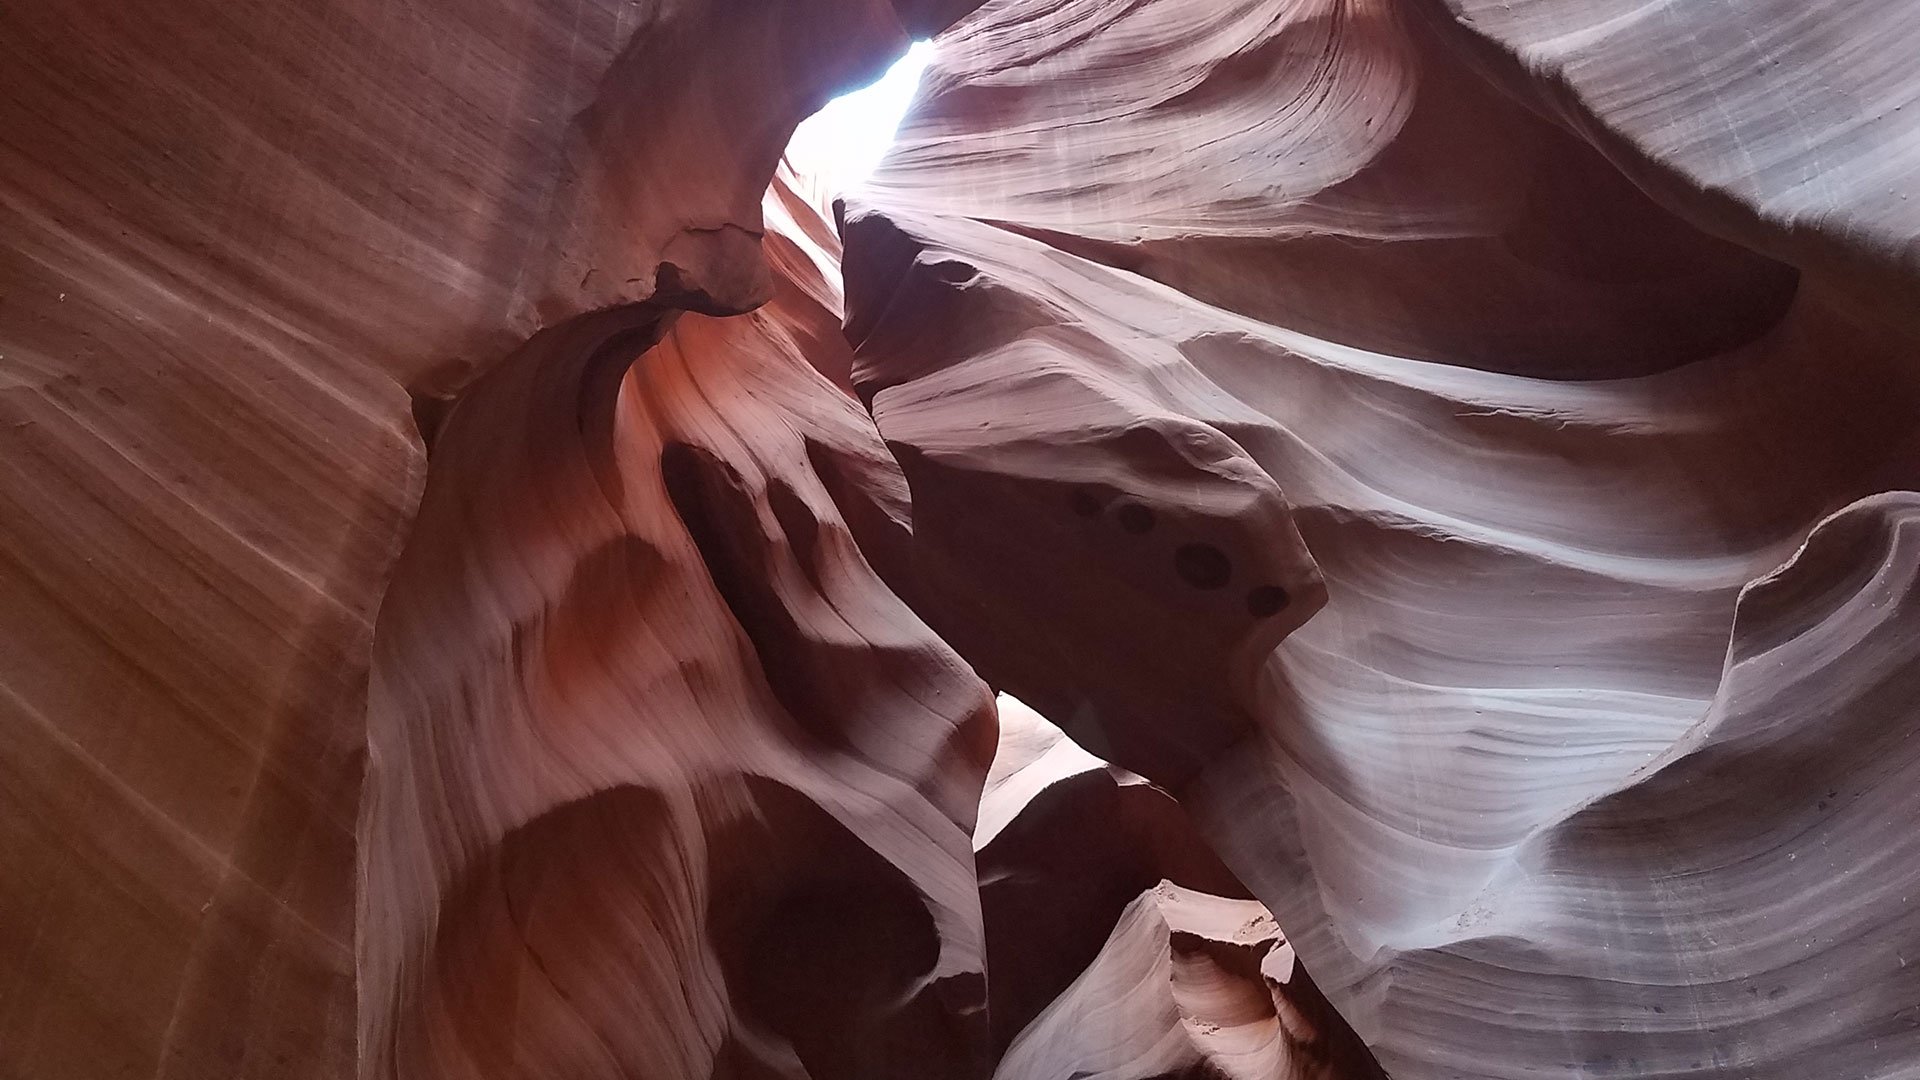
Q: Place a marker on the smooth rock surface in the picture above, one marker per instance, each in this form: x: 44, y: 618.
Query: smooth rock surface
x: 1063, y: 844
x: 1613, y: 518
x: 233, y: 240
x: 664, y: 782
x: 1464, y: 452
x: 1193, y: 986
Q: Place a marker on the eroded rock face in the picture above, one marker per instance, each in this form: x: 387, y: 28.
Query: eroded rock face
x: 1187, y: 985
x: 664, y: 781
x: 1460, y: 451
x: 1585, y: 477
x: 233, y: 241
x: 1793, y: 138
x: 1064, y: 843
x: 1118, y: 945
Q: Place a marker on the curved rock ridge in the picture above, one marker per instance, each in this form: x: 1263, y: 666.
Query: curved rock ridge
x: 664, y: 781
x: 233, y: 240
x: 1069, y: 848
x: 1793, y: 129
x: 1187, y: 985
x: 1063, y: 844
x: 1326, y: 166
x: 1454, y: 459
x: 1145, y: 315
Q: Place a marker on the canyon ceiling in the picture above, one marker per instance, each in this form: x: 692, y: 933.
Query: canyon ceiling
x: 499, y: 577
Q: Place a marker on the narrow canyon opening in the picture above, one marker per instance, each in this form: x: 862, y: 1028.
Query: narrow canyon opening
x: 838, y: 147
x: 737, y: 564
x: 1264, y: 539
x: 643, y: 434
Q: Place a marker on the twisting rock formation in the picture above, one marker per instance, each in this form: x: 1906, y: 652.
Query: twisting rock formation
x: 1188, y: 986
x: 1789, y: 128
x: 1064, y: 843
x: 664, y: 781
x: 1117, y: 944
x: 233, y: 238
x: 1455, y: 458
x: 1612, y: 514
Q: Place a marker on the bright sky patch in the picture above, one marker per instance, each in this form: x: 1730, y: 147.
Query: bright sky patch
x: 841, y: 144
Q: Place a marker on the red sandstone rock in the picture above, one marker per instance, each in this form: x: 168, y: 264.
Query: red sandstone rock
x: 1614, y: 517
x: 1063, y: 844
x: 1188, y: 985
x: 664, y: 781
x: 1792, y: 128
x: 232, y: 239
x: 1066, y: 845
x: 1463, y: 450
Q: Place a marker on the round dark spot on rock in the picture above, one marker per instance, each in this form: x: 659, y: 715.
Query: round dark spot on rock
x: 1266, y: 600
x: 1202, y: 566
x: 1135, y: 519
x: 1084, y: 503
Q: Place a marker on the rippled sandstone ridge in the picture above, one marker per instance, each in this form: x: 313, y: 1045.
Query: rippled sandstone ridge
x: 499, y: 578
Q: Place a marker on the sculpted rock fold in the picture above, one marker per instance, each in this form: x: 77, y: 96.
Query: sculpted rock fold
x: 1793, y: 129
x: 233, y: 240
x: 664, y: 781
x: 1189, y: 985
x: 1118, y: 945
x: 1458, y: 785
x: 1063, y: 844
x: 1463, y: 451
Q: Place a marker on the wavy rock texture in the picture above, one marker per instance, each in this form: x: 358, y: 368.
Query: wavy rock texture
x: 1794, y: 129
x: 1187, y: 985
x: 664, y: 781
x: 1116, y: 940
x: 1219, y: 302
x: 1064, y: 843
x: 1460, y: 449
x: 232, y: 239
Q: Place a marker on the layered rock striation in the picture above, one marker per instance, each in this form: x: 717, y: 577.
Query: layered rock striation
x: 248, y: 256
x: 488, y: 588
x: 663, y: 780
x: 1498, y: 541
x: 1118, y: 946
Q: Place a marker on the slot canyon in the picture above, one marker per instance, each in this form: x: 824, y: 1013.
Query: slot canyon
x: 1268, y: 540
